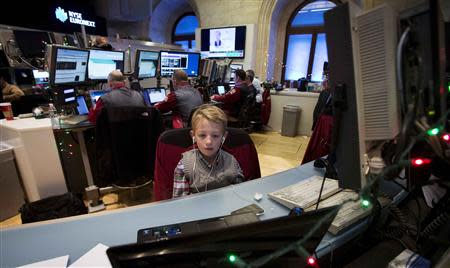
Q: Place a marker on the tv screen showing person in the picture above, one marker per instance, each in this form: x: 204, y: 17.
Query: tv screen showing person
x: 222, y: 39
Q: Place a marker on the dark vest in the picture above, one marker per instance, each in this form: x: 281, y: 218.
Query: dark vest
x: 123, y: 97
x: 187, y: 99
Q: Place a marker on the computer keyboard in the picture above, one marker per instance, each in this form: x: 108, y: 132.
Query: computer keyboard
x: 75, y: 119
x: 349, y: 213
x: 305, y: 193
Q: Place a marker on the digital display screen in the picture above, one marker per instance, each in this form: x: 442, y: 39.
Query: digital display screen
x: 102, y: 62
x: 223, y: 42
x: 146, y: 63
x: 186, y: 61
x: 156, y: 94
x: 70, y: 66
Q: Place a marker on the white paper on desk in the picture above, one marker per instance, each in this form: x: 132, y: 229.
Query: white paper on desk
x: 96, y: 257
x: 56, y: 262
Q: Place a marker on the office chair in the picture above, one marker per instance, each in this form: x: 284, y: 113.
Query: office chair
x: 126, y: 140
x: 172, y: 143
x: 246, y: 114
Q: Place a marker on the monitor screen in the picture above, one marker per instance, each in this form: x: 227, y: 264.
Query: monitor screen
x: 82, y: 107
x: 172, y: 60
x: 69, y: 66
x: 146, y: 63
x: 223, y: 42
x: 156, y: 94
x: 102, y: 62
x: 40, y: 77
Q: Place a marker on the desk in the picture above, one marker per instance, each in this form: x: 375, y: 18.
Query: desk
x: 36, y: 156
x: 76, y: 235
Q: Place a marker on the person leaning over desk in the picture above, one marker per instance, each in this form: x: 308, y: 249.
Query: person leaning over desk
x: 207, y: 166
x: 234, y: 98
x: 183, y: 99
x: 10, y: 92
x: 119, y: 96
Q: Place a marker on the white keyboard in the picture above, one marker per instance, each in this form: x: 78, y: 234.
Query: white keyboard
x: 305, y: 193
x: 350, y: 212
x: 75, y: 119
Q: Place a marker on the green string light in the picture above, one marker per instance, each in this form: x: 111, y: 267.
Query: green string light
x: 433, y: 131
x: 232, y: 258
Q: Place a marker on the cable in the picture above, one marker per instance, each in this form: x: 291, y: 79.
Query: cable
x: 440, y: 220
x: 399, y: 69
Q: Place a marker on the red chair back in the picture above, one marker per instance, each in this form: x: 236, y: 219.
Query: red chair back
x: 172, y: 143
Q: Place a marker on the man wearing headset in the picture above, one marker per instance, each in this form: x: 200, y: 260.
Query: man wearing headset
x: 207, y: 166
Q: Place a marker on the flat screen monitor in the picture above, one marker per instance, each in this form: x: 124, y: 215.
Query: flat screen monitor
x: 251, y: 243
x: 102, y: 62
x: 223, y: 42
x: 156, y: 94
x: 68, y: 65
x: 146, y: 63
x: 40, y: 78
x: 173, y: 60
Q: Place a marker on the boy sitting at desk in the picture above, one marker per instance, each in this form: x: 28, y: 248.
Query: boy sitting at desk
x: 207, y: 166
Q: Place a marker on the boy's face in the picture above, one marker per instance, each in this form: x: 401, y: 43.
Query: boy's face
x: 208, y: 136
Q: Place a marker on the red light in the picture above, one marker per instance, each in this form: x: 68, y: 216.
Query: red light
x: 446, y: 137
x: 311, y: 261
x: 420, y: 161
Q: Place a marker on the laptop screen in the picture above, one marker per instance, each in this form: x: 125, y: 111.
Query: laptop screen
x: 82, y: 107
x: 221, y: 90
x: 156, y: 94
x: 96, y: 94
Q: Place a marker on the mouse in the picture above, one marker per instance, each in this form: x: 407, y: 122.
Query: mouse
x: 258, y: 196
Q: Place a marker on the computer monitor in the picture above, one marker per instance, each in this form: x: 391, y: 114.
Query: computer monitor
x: 68, y: 65
x: 156, y: 94
x: 146, y: 63
x: 40, y: 78
x: 249, y: 242
x: 102, y: 62
x: 362, y: 79
x: 173, y: 60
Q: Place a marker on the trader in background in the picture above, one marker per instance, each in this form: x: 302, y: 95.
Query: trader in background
x: 119, y: 96
x: 102, y: 42
x: 234, y: 99
x: 10, y: 92
x: 182, y: 100
x: 256, y: 83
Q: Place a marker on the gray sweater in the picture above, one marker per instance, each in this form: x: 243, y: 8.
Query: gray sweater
x: 223, y: 172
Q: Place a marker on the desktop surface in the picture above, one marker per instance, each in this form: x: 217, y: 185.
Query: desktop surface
x: 119, y: 227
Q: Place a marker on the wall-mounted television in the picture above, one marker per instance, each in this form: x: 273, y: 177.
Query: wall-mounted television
x: 102, y: 62
x: 146, y: 63
x: 175, y: 60
x: 68, y: 65
x: 226, y: 42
